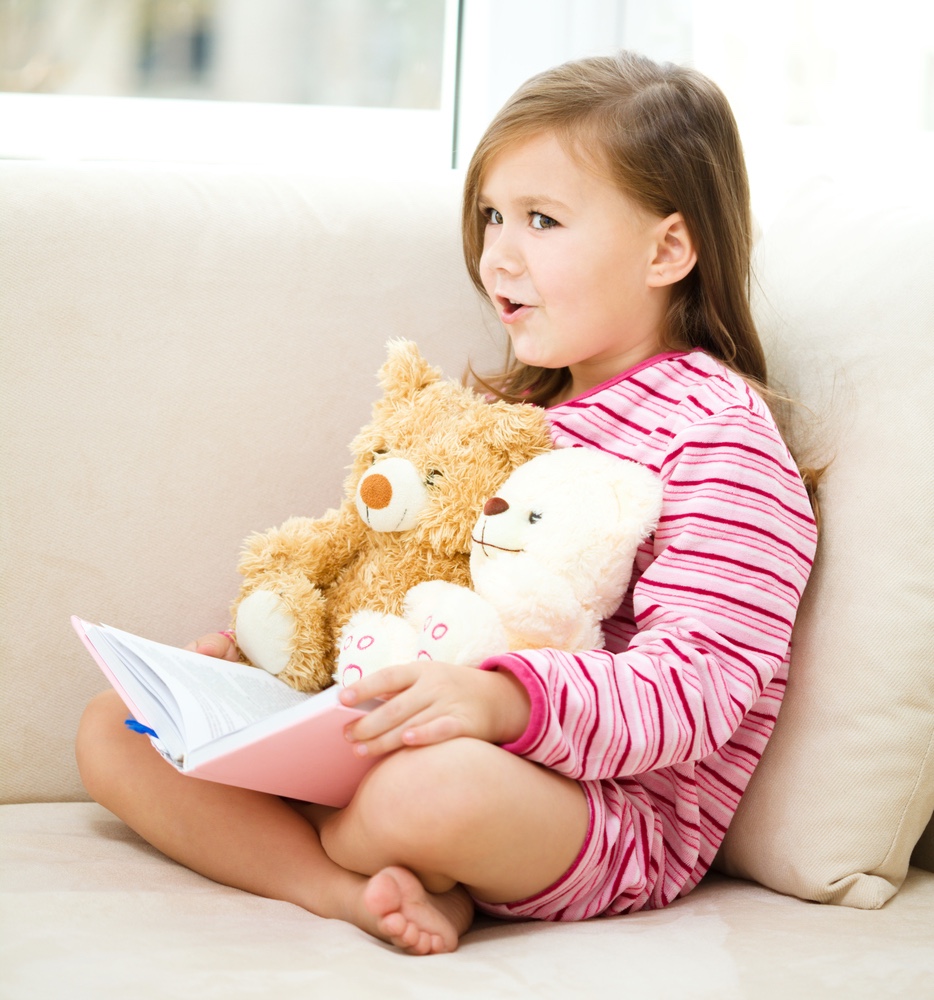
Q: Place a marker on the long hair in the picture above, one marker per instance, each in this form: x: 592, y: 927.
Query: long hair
x: 666, y: 136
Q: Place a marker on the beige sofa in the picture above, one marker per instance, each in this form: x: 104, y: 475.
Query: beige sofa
x: 187, y: 352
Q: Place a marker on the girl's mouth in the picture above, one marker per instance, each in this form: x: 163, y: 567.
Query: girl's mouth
x: 510, y: 310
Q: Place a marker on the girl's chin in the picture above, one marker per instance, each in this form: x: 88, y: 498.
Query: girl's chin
x: 534, y: 359
x: 527, y: 352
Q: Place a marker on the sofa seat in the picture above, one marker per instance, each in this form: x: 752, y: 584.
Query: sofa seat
x: 92, y: 911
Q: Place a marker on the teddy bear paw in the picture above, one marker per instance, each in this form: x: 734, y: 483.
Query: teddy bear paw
x: 371, y: 641
x: 265, y: 630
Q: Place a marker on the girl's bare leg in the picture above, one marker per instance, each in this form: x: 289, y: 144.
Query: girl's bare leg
x: 234, y: 836
x: 462, y: 813
x: 425, y: 823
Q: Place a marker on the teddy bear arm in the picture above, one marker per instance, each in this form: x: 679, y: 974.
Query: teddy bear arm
x: 540, y: 610
x: 372, y: 640
x: 318, y: 548
x: 455, y: 624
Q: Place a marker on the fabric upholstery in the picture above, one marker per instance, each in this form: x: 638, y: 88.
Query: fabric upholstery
x: 186, y: 356
x: 187, y: 352
x: 91, y: 912
x: 846, y: 302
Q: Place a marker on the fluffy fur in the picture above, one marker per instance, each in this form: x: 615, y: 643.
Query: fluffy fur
x: 552, y: 555
x: 450, y: 449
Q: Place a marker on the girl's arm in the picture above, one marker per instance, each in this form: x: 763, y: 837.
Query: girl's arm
x: 714, y: 613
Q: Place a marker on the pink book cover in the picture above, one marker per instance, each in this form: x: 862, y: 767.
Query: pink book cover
x: 298, y: 752
x: 307, y: 759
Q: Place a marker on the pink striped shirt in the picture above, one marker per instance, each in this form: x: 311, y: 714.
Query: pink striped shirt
x: 678, y: 708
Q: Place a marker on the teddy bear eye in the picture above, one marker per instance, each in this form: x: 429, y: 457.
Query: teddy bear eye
x: 433, y: 475
x: 377, y: 453
x: 534, y: 517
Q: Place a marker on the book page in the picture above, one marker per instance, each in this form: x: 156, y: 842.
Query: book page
x: 144, y: 693
x: 207, y: 697
x: 232, y: 723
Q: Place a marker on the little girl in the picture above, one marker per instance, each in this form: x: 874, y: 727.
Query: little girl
x: 606, y: 218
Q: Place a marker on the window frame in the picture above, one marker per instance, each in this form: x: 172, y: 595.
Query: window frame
x: 297, y: 136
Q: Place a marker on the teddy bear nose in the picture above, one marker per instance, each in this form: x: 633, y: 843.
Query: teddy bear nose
x: 495, y: 505
x: 376, y: 491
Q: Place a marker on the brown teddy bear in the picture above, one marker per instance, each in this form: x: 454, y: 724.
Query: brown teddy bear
x: 422, y: 468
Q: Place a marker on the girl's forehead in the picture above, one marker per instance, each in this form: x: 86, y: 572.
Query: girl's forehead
x: 542, y: 165
x: 539, y: 146
x: 546, y: 153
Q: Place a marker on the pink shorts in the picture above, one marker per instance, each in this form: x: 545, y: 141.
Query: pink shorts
x: 605, y: 872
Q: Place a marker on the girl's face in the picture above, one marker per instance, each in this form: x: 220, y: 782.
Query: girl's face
x: 568, y: 261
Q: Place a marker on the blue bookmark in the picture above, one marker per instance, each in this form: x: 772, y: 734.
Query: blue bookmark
x: 138, y: 727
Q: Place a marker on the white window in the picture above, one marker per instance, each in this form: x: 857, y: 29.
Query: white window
x: 308, y: 83
x: 297, y: 83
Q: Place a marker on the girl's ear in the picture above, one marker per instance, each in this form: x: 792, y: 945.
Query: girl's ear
x: 675, y: 255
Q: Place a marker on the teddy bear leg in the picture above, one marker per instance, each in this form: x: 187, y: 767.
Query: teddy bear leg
x: 265, y: 630
x: 284, y: 631
x: 371, y: 641
x: 454, y: 624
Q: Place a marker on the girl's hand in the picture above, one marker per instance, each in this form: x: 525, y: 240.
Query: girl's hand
x: 429, y: 702
x: 215, y: 644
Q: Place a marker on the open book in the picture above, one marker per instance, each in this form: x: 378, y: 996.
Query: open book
x: 229, y: 722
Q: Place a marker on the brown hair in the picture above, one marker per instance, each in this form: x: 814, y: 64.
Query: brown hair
x: 665, y: 135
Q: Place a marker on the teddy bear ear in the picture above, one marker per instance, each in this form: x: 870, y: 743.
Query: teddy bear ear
x: 405, y: 371
x: 518, y: 429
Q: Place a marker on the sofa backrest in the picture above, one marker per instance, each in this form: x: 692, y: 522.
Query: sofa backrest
x: 186, y: 355
x: 845, y: 303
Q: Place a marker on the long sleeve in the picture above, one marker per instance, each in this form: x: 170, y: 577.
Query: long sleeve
x: 705, y: 627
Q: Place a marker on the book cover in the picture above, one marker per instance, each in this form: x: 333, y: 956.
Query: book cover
x: 229, y: 722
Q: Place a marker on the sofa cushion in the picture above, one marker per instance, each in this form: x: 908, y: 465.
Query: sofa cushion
x: 846, y: 307
x: 91, y: 911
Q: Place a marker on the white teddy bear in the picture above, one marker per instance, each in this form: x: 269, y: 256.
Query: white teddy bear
x: 551, y: 558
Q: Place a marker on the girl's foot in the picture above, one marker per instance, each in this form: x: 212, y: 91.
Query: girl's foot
x: 413, y: 919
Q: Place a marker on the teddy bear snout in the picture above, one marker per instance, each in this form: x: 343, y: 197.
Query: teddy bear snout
x: 391, y: 497
x: 495, y: 505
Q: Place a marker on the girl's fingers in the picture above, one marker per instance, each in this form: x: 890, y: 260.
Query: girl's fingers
x: 421, y: 730
x: 381, y: 684
x: 215, y: 644
x: 394, y: 715
x: 429, y: 703
x: 435, y: 730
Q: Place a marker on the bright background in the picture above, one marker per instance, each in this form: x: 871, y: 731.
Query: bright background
x: 410, y: 84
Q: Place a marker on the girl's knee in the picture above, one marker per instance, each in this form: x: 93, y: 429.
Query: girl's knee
x: 425, y: 795
x: 101, y: 717
x: 101, y: 724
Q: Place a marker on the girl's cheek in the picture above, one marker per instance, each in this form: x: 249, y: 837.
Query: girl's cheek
x: 487, y: 276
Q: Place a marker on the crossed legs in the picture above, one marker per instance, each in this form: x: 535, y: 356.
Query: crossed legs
x: 428, y: 828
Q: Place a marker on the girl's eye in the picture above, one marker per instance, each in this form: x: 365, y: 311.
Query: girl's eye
x: 539, y: 221
x: 493, y: 217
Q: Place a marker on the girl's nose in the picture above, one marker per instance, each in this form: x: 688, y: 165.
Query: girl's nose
x: 500, y: 252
